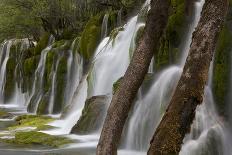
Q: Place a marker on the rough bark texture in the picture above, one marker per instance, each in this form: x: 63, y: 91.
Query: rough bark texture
x: 124, y: 96
x: 190, y: 90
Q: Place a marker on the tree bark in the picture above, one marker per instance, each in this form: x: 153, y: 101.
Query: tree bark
x: 190, y: 90
x: 133, y: 78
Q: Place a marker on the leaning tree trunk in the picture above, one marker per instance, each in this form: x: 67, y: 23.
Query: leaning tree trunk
x: 190, y: 90
x: 133, y: 78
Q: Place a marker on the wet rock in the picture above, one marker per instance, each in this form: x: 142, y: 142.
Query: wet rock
x: 92, y: 116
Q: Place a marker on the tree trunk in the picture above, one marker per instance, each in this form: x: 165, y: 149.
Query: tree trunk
x: 190, y: 90
x: 134, y: 76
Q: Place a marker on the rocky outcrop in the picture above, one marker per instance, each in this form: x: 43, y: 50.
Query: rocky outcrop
x: 93, y: 115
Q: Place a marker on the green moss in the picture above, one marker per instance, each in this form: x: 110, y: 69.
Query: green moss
x: 115, y: 32
x: 61, y: 83
x: 91, y: 36
x: 117, y: 84
x: 4, y: 114
x: 76, y: 44
x: 170, y: 42
x: 30, y: 66
x: 222, y: 68
x: 34, y: 137
x: 43, y: 105
x: 40, y: 122
x: 62, y: 45
x: 137, y: 39
x: 42, y: 44
x: 10, y: 82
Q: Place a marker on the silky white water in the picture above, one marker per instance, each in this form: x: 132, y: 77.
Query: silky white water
x: 149, y: 109
x: 5, y: 53
x: 112, y: 60
x: 37, y: 90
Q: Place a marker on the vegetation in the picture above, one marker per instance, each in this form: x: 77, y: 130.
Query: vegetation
x: 39, y: 122
x: 33, y: 137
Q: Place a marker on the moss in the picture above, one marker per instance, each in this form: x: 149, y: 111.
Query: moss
x: 15, y: 48
x: 30, y: 66
x: 170, y: 42
x: 92, y: 116
x: 40, y: 122
x: 136, y: 40
x: 10, y: 82
x: 222, y: 68
x: 76, y: 44
x: 49, y: 67
x: 91, y: 36
x: 62, y: 45
x: 115, y: 32
x: 43, y: 105
x: 4, y: 114
x: 117, y: 84
x: 39, y: 138
x: 42, y: 44
x: 61, y: 83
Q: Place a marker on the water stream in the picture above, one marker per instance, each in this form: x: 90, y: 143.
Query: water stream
x: 209, y: 133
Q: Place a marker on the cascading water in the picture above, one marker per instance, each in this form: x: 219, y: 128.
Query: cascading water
x: 52, y: 96
x: 5, y: 53
x: 149, y: 109
x: 209, y: 134
x: 37, y: 90
x: 112, y: 59
x: 110, y: 62
x: 104, y: 30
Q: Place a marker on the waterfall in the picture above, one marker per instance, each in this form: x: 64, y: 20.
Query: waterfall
x: 52, y: 96
x: 112, y: 59
x: 148, y: 110
x: 4, y: 55
x: 37, y: 90
x: 65, y: 125
x: 209, y: 134
x: 104, y: 29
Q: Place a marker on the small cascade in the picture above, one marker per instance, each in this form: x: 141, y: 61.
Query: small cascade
x: 149, y: 109
x: 37, y: 90
x: 52, y: 96
x: 209, y: 134
x: 151, y: 67
x: 112, y: 59
x: 65, y: 125
x: 5, y: 53
x: 19, y: 98
x: 119, y: 18
x: 104, y: 29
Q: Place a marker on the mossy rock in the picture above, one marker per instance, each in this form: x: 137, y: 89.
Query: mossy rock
x: 10, y: 82
x: 171, y: 40
x: 5, y: 115
x: 114, y: 33
x: 221, y: 78
x: 61, y: 80
x: 62, y: 45
x: 39, y: 138
x: 30, y: 65
x: 42, y: 44
x: 147, y: 82
x: 92, y: 116
x: 43, y: 106
x: 116, y: 85
x: 91, y: 36
x: 39, y: 122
